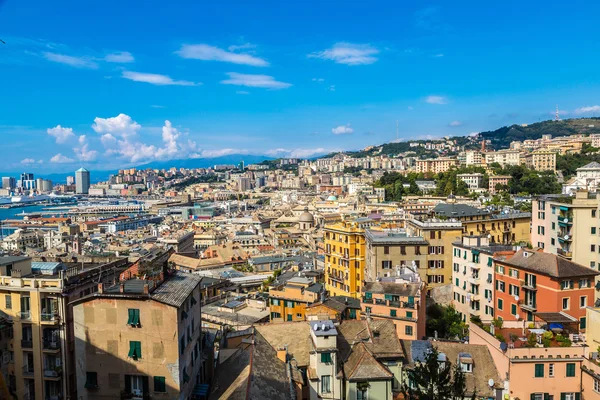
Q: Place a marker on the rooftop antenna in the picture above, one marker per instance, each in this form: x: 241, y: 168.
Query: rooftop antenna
x: 556, y: 116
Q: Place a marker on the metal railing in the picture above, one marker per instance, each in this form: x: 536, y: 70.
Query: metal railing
x: 26, y: 344
x: 49, y: 317
x: 27, y: 370
x: 51, y: 345
x: 25, y: 315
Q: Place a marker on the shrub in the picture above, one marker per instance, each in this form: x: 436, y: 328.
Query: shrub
x: 500, y: 337
x: 497, y: 323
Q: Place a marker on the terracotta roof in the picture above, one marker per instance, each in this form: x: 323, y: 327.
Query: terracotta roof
x: 361, y: 365
x: 294, y: 335
x: 548, y: 264
x: 400, y: 289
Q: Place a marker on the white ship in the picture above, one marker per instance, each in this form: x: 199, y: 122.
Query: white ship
x: 29, y: 199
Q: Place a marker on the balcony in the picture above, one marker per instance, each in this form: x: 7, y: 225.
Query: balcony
x: 565, y: 239
x: 368, y: 301
x: 25, y: 315
x: 28, y: 370
x: 52, y: 372
x: 337, y: 278
x: 564, y: 253
x: 51, y: 345
x: 565, y: 221
x: 529, y: 307
x: 26, y: 344
x: 528, y: 285
x: 49, y: 317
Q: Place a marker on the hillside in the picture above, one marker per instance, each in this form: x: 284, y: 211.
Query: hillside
x: 501, y: 138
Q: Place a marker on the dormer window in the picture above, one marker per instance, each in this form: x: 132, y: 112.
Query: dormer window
x: 465, y: 362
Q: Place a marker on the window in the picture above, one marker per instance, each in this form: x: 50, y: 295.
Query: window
x: 408, y: 330
x: 597, y: 385
x: 409, y: 314
x: 275, y: 302
x: 593, y: 230
x: 466, y: 367
x: 539, y: 370
x: 298, y: 315
x: 8, y: 301
x: 326, y: 384
x: 566, y: 285
x: 593, y: 248
x: 159, y: 384
x: 289, y: 304
x: 584, y: 283
x: 289, y: 317
x: 513, y: 309
x: 593, y: 264
x: 582, y: 322
x: 551, y: 370
x: 135, y: 349
x: 91, y: 380
x: 362, y: 394
x: 136, y: 384
x: 368, y: 310
x: 583, y: 302
x: 403, y: 250
x: 570, y: 370
x: 553, y: 226
x: 565, y: 303
x: 500, y: 304
x: 593, y: 213
x: 387, y: 264
x: 552, y: 242
x: 326, y: 358
x: 134, y: 317
x: 386, y: 249
x: 392, y: 313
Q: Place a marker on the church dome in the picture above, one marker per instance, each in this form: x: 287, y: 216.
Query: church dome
x: 306, y: 216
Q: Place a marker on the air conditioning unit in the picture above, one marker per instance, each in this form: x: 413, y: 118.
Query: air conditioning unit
x: 137, y: 393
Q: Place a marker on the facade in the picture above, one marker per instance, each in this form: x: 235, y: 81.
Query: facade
x: 587, y: 178
x: 8, y: 182
x: 344, y: 258
x: 399, y: 301
x: 495, y: 180
x: 473, y: 180
x: 531, y: 284
x: 288, y: 302
x: 544, y: 160
x: 387, y: 252
x: 439, y: 235
x: 473, y: 157
x: 473, y: 276
x: 501, y: 228
x: 435, y: 165
x: 139, y: 337
x: 503, y: 157
x: 568, y: 227
x: 82, y: 181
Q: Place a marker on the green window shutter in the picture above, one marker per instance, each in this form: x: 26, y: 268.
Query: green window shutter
x: 513, y: 309
x: 546, y: 396
x: 570, y: 370
x: 131, y: 353
x: 582, y: 323
x: 532, y: 396
x: 392, y: 313
x: 134, y: 317
x: 160, y: 384
x: 130, y: 316
x: 368, y: 295
x: 563, y: 396
x: 539, y: 370
x: 352, y: 313
x: 577, y: 396
x: 409, y: 314
x: 138, y: 346
x: 490, y: 262
x: 326, y: 358
x: 289, y: 317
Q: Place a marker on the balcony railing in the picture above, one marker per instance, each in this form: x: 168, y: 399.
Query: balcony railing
x: 49, y: 317
x: 51, y: 345
x: 26, y: 344
x: 529, y: 306
x: 52, y: 372
x: 564, y: 253
x: 27, y: 370
x: 25, y: 315
x: 368, y: 301
x: 528, y: 285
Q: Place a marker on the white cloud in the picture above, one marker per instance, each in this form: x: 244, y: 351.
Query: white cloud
x: 28, y: 161
x: 455, y: 123
x: 77, y: 62
x: 60, y: 159
x: 588, y: 109
x: 108, y: 141
x: 410, y: 107
x: 83, y: 152
x: 120, y: 58
x: 250, y: 80
x: 60, y: 134
x: 169, y: 136
x: 295, y: 153
x: 342, y: 130
x: 438, y: 55
x: 155, y: 79
x: 245, y: 46
x: 242, y: 92
x: 212, y: 53
x: 318, y: 80
x: 433, y: 99
x: 348, y: 53
x: 157, y: 106
x: 331, y: 88
x: 121, y: 125
x: 222, y: 152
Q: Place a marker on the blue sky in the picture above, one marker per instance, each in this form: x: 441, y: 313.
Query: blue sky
x: 110, y: 83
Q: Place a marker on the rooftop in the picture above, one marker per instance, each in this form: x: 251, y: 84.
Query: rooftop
x: 400, y: 289
x: 548, y: 264
x: 176, y: 289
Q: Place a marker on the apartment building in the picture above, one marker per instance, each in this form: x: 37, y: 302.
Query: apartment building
x: 435, y: 165
x: 503, y: 157
x: 139, y: 338
x: 344, y: 258
x: 473, y: 157
x: 473, y: 180
x: 532, y: 284
x: 495, y: 180
x: 386, y: 252
x: 473, y: 276
x: 400, y: 301
x: 35, y: 296
x: 501, y: 228
x: 439, y: 235
x: 288, y: 301
x: 543, y: 160
x: 567, y: 226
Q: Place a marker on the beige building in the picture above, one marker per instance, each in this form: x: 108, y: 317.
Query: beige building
x: 543, y: 160
x: 435, y: 165
x: 495, y: 180
x: 473, y: 180
x: 503, y: 157
x: 139, y: 338
x: 473, y: 157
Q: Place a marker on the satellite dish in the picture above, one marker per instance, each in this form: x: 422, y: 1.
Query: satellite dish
x: 491, y: 383
x: 516, y: 298
x: 566, y: 237
x: 566, y: 220
x: 316, y: 327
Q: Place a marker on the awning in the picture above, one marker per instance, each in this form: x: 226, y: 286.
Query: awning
x: 556, y: 317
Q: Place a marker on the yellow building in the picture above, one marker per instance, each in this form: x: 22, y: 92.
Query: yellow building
x: 344, y: 258
x: 502, y: 229
x: 138, y: 338
x: 544, y: 160
x: 288, y: 302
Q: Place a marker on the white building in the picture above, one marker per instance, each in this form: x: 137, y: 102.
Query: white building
x: 473, y: 180
x: 587, y: 178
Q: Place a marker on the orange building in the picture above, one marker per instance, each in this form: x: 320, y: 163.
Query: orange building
x: 532, y: 284
x: 337, y: 309
x: 402, y: 303
x: 287, y: 302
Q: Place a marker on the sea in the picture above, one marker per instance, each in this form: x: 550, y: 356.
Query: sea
x: 13, y: 213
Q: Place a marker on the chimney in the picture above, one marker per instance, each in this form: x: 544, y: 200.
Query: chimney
x: 282, y: 354
x: 146, y: 288
x: 122, y: 288
x: 101, y: 288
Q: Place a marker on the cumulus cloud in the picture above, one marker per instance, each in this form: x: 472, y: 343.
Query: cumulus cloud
x: 206, y: 52
x: 77, y: 62
x: 342, y: 130
x: 245, y: 46
x: 455, y: 123
x: 348, y: 53
x: 83, y: 151
x: 60, y: 134
x: 588, y: 109
x: 121, y: 125
x: 120, y: 57
x: 155, y: 79
x: 251, y: 80
x: 28, y: 161
x: 434, y: 99
x: 60, y: 159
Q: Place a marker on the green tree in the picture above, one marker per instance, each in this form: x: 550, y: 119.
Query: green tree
x: 445, y: 321
x: 435, y: 380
